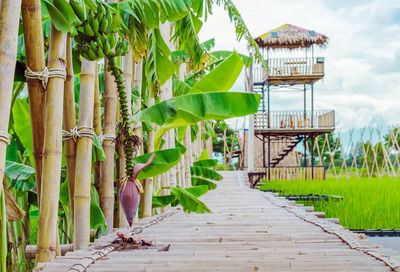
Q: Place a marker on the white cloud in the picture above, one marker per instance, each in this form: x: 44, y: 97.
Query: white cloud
x: 362, y: 58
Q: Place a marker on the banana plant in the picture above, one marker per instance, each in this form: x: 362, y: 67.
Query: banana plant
x: 205, y: 99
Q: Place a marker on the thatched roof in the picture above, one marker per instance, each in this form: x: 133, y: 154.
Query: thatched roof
x: 291, y: 37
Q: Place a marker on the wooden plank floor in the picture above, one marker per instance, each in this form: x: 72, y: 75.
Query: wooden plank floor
x: 245, y: 232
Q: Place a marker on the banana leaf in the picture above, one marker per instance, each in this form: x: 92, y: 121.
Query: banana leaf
x: 57, y: 18
x: 204, y: 155
x: 162, y: 162
x: 206, y: 163
x: 187, y: 198
x: 196, y: 181
x: 97, y: 219
x: 222, y: 77
x: 205, y: 173
x: 188, y: 201
x: 162, y: 201
x: 17, y: 170
x: 98, y: 153
x: 190, y: 109
x: 209, y: 44
x: 158, y: 65
x: 223, y: 54
x: 179, y: 87
x: 197, y: 191
x: 22, y: 126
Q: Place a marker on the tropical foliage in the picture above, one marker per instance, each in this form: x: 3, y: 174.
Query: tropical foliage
x: 162, y: 36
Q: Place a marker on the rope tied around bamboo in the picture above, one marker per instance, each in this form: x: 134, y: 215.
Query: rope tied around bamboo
x: 106, y: 137
x: 5, y: 137
x: 76, y: 133
x: 45, y: 74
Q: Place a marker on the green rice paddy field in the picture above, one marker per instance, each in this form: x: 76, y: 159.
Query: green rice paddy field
x: 367, y: 203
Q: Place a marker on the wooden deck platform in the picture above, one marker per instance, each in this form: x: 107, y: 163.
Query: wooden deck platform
x: 249, y: 230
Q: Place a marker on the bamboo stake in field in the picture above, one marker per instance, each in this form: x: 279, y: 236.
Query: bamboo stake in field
x: 35, y: 60
x: 69, y: 124
x: 48, y: 213
x: 9, y: 15
x: 84, y: 156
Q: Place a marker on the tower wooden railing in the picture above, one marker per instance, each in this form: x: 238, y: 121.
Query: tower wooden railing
x: 295, y: 120
x: 289, y: 67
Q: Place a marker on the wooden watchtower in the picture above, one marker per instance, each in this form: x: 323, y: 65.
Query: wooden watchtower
x: 274, y: 135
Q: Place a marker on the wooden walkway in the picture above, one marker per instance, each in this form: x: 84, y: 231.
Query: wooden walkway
x: 249, y: 230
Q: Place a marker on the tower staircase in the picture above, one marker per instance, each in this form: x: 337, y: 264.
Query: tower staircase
x: 286, y: 150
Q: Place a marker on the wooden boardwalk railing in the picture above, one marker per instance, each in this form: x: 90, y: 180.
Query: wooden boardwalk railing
x: 249, y: 230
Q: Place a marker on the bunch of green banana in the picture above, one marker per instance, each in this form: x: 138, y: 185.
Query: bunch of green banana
x: 91, y: 51
x: 96, y: 34
x: 121, y: 48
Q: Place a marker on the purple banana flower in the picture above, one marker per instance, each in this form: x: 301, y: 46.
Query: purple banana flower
x: 129, y: 195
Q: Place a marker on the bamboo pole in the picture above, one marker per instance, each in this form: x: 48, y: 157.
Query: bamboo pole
x: 106, y: 187
x: 149, y: 182
x: 168, y: 178
x: 69, y: 124
x: 187, y: 142
x: 84, y: 157
x: 186, y: 176
x: 48, y: 213
x: 106, y: 190
x: 97, y: 124
x: 9, y: 15
x: 35, y: 60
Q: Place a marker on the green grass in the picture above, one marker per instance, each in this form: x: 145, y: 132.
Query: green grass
x: 367, y: 204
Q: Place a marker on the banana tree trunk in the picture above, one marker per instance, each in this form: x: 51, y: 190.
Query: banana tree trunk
x: 70, y: 123
x: 106, y: 188
x: 35, y: 60
x: 9, y: 15
x: 48, y: 213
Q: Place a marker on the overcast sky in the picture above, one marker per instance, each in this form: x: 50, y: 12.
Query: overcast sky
x: 362, y: 59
